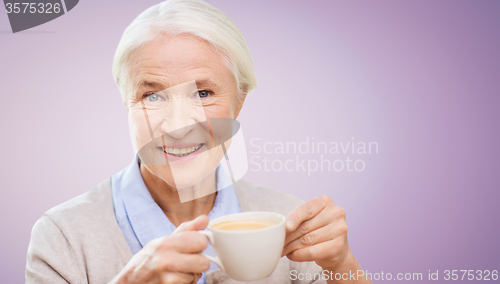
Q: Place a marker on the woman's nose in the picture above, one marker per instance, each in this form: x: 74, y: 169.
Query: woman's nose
x: 179, y: 121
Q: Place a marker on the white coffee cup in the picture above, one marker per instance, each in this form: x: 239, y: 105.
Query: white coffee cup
x: 249, y: 254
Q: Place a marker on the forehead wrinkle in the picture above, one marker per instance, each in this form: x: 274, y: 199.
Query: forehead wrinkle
x: 151, y: 73
x: 141, y: 70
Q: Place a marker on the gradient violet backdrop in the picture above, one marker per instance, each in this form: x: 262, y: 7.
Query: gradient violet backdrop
x: 421, y: 78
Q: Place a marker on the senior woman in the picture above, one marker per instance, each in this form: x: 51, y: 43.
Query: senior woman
x: 180, y: 65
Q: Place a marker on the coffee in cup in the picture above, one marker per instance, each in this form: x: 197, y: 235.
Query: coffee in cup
x: 242, y: 225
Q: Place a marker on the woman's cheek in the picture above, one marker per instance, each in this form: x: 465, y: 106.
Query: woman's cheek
x: 218, y: 110
x: 139, y: 127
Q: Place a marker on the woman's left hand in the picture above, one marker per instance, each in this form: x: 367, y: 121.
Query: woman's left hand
x: 317, y: 231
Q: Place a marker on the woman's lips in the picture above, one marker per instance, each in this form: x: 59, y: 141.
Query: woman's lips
x: 181, y: 152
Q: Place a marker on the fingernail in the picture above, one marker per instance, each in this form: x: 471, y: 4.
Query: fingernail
x: 290, y: 224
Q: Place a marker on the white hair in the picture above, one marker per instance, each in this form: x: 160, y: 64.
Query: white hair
x: 194, y: 17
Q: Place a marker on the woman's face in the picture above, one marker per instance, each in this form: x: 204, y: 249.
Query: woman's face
x: 176, y: 85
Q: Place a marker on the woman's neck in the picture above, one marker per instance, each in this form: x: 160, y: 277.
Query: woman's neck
x: 185, y: 204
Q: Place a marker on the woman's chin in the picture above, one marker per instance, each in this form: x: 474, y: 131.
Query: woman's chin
x: 181, y: 180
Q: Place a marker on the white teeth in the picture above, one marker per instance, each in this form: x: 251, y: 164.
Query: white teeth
x: 181, y: 151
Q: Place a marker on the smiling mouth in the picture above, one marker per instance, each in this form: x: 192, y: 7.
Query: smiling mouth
x: 181, y: 152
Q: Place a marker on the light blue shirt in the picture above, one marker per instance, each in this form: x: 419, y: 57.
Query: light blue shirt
x: 141, y: 219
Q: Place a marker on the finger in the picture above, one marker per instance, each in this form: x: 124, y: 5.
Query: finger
x: 177, y: 277
x: 320, y: 235
x: 320, y: 251
x: 186, y: 263
x: 185, y: 242
x: 199, y: 223
x: 328, y: 215
x: 306, y: 211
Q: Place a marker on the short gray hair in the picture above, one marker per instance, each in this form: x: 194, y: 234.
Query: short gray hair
x: 194, y: 17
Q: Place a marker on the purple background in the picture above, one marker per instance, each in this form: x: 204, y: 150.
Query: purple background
x: 421, y: 78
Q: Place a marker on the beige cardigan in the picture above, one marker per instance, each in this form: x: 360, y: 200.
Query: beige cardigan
x: 80, y: 241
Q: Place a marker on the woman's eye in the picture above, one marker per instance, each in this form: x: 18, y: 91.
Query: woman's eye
x: 203, y: 93
x: 153, y: 97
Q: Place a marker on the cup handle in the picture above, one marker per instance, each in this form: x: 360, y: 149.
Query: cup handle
x: 210, y: 238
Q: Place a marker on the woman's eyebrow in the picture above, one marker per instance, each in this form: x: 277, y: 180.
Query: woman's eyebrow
x: 149, y: 84
x: 207, y: 82
x: 158, y: 86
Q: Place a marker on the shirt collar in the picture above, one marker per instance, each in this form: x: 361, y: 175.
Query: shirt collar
x: 147, y: 218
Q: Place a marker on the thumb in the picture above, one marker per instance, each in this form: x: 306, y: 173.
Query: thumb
x: 199, y: 223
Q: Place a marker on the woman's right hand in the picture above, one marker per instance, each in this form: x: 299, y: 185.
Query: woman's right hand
x: 169, y: 259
